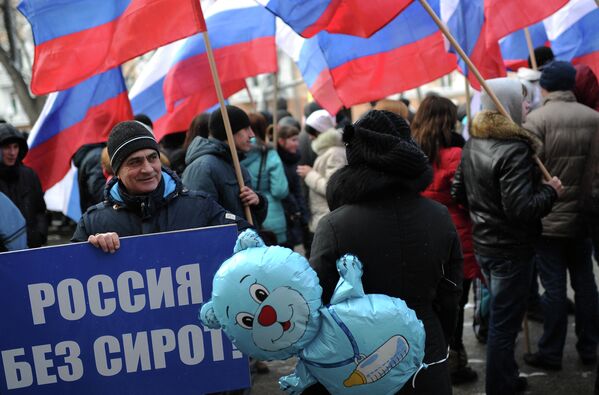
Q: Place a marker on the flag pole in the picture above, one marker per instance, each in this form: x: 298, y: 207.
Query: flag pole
x: 531, y: 50
x: 275, y: 116
x: 226, y: 121
x: 477, y: 74
x: 468, y: 109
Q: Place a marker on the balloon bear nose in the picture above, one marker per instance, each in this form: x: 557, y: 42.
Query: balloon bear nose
x: 268, y: 316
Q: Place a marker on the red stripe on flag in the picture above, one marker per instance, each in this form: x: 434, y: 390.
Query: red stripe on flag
x: 64, y: 62
x: 360, y: 18
x: 506, y: 16
x: 233, y: 62
x: 487, y: 59
x: 51, y: 159
x: 324, y: 93
x: 391, y: 72
x: 180, y: 119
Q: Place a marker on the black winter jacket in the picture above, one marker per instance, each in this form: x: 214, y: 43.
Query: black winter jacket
x: 408, y: 245
x: 23, y: 187
x: 296, y: 211
x: 501, y: 185
x: 210, y: 170
x: 170, y: 207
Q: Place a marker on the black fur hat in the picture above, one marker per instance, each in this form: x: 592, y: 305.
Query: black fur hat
x: 382, y: 140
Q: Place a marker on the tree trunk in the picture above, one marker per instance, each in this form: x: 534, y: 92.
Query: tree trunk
x: 11, y: 60
x: 31, y: 105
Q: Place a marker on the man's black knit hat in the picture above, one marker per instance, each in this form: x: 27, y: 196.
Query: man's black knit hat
x: 558, y: 76
x: 238, y: 118
x: 126, y: 138
x: 382, y: 140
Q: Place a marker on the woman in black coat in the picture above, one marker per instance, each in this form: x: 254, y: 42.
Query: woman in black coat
x: 408, y: 244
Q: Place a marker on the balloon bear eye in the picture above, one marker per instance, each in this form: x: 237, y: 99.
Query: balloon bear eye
x: 245, y: 320
x: 258, y: 292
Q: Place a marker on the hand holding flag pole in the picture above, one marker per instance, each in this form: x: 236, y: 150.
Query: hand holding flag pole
x: 226, y: 121
x: 477, y: 74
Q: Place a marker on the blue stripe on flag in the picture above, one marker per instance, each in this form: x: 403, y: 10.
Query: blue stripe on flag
x: 56, y: 18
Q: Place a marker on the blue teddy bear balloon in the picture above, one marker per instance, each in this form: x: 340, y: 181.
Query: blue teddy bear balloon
x: 267, y: 300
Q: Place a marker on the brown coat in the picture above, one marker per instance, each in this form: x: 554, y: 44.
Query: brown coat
x: 566, y: 129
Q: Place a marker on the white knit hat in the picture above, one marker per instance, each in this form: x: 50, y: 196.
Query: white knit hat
x: 321, y: 120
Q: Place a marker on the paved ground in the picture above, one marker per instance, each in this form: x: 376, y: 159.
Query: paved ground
x: 575, y: 378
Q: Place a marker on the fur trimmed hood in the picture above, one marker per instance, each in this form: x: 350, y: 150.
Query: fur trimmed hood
x: 492, y: 125
x: 326, y: 140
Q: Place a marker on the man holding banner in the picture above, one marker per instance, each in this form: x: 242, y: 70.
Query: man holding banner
x: 143, y: 197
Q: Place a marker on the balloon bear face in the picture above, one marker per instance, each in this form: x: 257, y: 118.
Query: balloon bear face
x: 280, y: 317
x: 267, y: 301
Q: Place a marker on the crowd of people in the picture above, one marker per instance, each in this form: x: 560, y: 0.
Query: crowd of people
x: 428, y: 209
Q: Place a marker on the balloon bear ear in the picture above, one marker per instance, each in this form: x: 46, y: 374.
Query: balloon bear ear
x: 248, y: 239
x: 207, y: 316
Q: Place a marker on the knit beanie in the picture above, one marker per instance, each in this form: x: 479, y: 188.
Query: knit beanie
x: 238, y: 118
x: 321, y: 121
x: 558, y: 76
x: 126, y: 138
x: 382, y: 140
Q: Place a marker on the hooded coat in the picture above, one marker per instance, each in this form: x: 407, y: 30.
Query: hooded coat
x: 331, y: 157
x: 440, y: 190
x: 566, y: 129
x: 209, y: 169
x: 294, y: 204
x: 265, y: 167
x: 408, y: 244
x: 169, y: 207
x: 21, y: 185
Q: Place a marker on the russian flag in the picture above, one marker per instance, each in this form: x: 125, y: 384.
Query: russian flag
x: 514, y: 48
x: 64, y: 196
x: 308, y: 56
x: 506, y: 16
x: 242, y: 35
x: 75, y: 39
x: 465, y: 20
x: 405, y: 54
x: 360, y: 18
x: 81, y: 115
x: 147, y: 94
x: 574, y: 33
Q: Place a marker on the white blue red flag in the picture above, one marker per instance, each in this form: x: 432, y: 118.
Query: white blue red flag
x: 81, y: 115
x: 507, y: 16
x: 571, y: 32
x: 308, y: 56
x: 64, y: 196
x: 478, y: 25
x: 465, y: 20
x: 147, y: 94
x: 76, y: 39
x: 514, y: 48
x: 176, y: 85
x: 405, y: 54
x: 574, y: 33
x: 242, y: 36
x: 360, y: 18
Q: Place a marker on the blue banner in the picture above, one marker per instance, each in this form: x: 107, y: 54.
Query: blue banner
x: 76, y: 320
